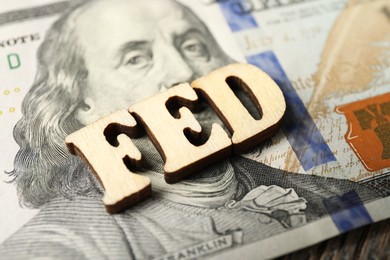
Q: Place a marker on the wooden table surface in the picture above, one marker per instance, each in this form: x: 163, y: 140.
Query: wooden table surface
x: 368, y: 242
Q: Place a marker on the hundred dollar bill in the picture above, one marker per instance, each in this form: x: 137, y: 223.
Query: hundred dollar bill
x: 67, y: 63
x: 310, y: 39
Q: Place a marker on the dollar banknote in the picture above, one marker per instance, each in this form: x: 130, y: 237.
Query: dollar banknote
x: 64, y: 64
x: 318, y: 87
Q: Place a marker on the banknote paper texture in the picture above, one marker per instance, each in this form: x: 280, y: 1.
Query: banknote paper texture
x: 65, y: 64
x: 311, y: 32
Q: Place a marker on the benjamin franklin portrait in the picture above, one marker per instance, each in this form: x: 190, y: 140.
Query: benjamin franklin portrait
x: 105, y: 55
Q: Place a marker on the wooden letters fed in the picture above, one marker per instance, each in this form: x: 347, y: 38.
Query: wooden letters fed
x: 107, y: 148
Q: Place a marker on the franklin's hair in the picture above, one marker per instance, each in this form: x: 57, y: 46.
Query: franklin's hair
x: 43, y: 169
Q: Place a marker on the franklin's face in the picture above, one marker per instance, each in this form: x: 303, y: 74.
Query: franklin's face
x: 134, y: 49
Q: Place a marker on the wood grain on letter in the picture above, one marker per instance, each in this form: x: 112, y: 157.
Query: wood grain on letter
x: 265, y: 94
x: 107, y: 149
x: 169, y: 131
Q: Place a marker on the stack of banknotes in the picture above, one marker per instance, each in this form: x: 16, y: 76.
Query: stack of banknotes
x: 65, y: 64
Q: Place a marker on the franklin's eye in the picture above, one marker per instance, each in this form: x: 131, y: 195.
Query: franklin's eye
x: 195, y: 49
x: 137, y: 60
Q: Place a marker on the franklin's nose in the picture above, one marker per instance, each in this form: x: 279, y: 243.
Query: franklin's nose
x: 177, y: 70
